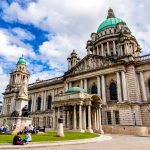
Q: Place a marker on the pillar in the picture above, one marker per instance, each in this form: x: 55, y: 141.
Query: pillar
x: 32, y: 105
x: 100, y: 121
x: 119, y: 87
x: 108, y: 50
x: 103, y: 89
x: 85, y: 84
x: 89, y: 118
x: 98, y: 86
x: 66, y: 86
x: 54, y: 119
x: 102, y: 50
x: 80, y: 117
x: 74, y: 117
x: 124, y: 86
x: 81, y: 83
x: 97, y: 50
x: 97, y: 118
x: 114, y: 48
x: 84, y: 118
x: 70, y: 84
x: 144, y: 96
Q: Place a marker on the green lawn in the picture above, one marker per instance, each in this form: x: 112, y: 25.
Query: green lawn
x: 50, y: 137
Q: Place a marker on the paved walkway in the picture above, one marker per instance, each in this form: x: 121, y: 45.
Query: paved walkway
x: 118, y: 142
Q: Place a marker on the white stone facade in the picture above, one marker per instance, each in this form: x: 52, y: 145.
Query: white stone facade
x: 112, y: 69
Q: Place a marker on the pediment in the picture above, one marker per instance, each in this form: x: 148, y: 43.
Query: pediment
x: 89, y: 63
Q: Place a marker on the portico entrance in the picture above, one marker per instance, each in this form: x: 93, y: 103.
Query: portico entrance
x: 81, y: 111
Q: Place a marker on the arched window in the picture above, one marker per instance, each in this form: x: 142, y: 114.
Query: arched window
x: 49, y: 102
x: 94, y: 89
x: 39, y: 103
x: 149, y: 85
x: 113, y: 91
x: 29, y: 105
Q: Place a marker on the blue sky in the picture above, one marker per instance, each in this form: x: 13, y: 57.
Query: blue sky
x: 46, y: 31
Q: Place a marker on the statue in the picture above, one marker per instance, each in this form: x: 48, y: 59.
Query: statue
x: 14, y: 114
x: 23, y: 91
x: 25, y: 111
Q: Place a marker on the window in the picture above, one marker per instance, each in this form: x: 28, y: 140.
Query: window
x: 109, y: 121
x: 37, y: 122
x: 113, y: 91
x: 149, y: 85
x: 39, y: 103
x: 117, y: 119
x: 94, y: 89
x: 49, y: 102
x: 29, y: 105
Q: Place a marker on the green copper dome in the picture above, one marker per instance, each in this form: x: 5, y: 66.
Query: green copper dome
x: 110, y: 22
x: 74, y: 90
x: 21, y: 61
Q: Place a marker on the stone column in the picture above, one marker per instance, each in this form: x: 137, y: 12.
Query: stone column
x: 114, y: 48
x: 42, y: 103
x: 121, y: 53
x: 97, y: 50
x: 53, y: 95
x: 66, y: 86
x: 54, y: 119
x: 74, y: 117
x: 98, y: 86
x: 119, y: 87
x: 81, y: 83
x: 100, y: 122
x: 103, y: 89
x: 58, y: 115
x: 32, y: 105
x: 85, y: 84
x: 108, y: 50
x: 124, y: 86
x: 144, y: 96
x: 80, y: 117
x: 97, y: 118
x: 84, y: 118
x: 102, y: 50
x: 45, y: 94
x: 70, y: 84
x: 89, y: 118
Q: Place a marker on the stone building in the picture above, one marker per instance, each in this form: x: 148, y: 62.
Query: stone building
x: 114, y: 75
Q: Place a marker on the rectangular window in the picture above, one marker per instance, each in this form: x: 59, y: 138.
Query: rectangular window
x: 109, y: 121
x: 117, y: 119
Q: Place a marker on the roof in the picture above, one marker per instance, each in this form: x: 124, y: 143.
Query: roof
x: 21, y: 61
x: 110, y: 22
x: 75, y: 89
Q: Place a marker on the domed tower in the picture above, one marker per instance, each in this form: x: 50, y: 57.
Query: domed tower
x: 73, y: 59
x: 18, y: 75
x: 113, y: 38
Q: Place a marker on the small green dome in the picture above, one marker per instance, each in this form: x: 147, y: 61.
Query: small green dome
x: 21, y: 61
x: 110, y: 22
x: 75, y: 89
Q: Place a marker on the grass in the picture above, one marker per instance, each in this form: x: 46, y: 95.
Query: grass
x: 50, y: 137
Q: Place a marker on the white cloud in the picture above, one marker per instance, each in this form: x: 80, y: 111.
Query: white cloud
x: 72, y: 23
x: 11, y: 48
x: 22, y: 34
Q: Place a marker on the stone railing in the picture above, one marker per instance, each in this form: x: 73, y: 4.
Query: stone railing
x: 46, y: 81
x: 143, y: 58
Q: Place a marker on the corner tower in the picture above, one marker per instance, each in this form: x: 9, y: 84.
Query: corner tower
x: 113, y: 38
x: 73, y: 59
x: 19, y: 74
